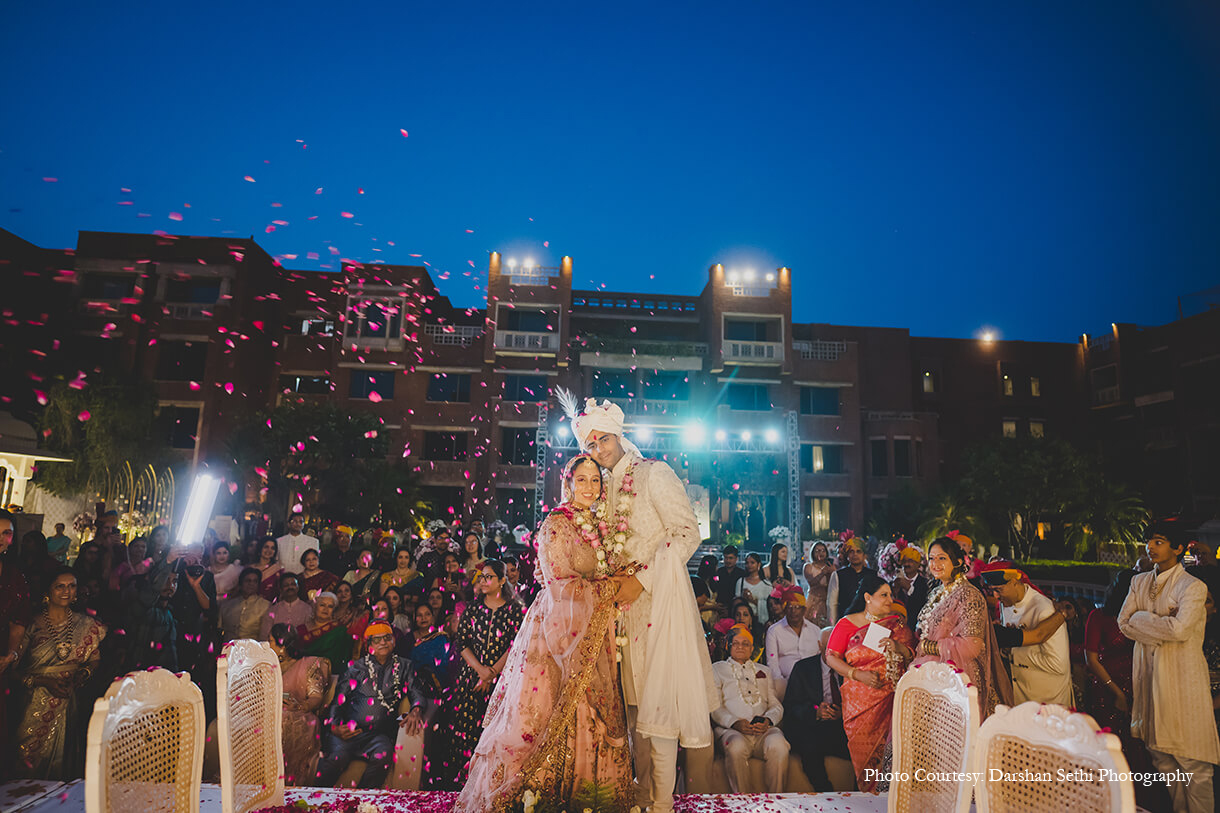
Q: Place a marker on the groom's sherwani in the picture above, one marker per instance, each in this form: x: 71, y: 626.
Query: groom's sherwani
x: 667, y: 672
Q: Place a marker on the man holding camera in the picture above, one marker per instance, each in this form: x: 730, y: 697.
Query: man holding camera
x: 749, y: 715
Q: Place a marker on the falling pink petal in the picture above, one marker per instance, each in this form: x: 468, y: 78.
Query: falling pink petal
x: 229, y: 388
x: 83, y: 416
x: 248, y: 178
x: 375, y: 397
x: 346, y: 214
x: 404, y: 132
x: 175, y: 216
x: 194, y: 385
x: 56, y: 180
x: 41, y: 396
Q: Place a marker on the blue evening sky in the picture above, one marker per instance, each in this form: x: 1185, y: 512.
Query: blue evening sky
x: 1044, y: 167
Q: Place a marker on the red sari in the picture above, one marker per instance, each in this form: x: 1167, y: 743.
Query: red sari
x: 867, y: 711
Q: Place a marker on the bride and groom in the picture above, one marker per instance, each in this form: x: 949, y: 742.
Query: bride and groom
x: 609, y: 666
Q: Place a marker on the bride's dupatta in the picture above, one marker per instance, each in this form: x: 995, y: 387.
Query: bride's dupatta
x: 556, y: 719
x: 867, y: 711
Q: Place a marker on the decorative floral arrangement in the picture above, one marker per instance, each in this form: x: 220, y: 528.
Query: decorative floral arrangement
x: 592, y: 526
x: 434, y: 526
x: 780, y: 535
x: 497, y: 530
x: 82, y: 522
x: 889, y: 561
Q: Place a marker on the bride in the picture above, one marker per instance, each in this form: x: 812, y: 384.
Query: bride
x: 556, y: 727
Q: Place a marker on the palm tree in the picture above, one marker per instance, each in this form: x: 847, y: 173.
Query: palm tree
x: 1108, y: 513
x: 950, y: 513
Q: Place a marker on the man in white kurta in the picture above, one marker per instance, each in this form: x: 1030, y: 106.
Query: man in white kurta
x: 666, y: 670
x: 1042, y: 672
x: 293, y: 544
x: 1164, y: 614
x: 750, y: 713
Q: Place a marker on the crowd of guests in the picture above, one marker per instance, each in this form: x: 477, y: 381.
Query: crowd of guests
x: 371, y: 637
x: 383, y: 636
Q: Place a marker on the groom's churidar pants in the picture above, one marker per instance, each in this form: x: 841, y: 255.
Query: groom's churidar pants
x: 656, y: 767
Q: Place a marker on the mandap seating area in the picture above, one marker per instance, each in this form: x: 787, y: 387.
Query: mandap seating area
x: 146, y: 747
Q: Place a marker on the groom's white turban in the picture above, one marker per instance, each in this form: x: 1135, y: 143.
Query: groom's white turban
x: 604, y: 417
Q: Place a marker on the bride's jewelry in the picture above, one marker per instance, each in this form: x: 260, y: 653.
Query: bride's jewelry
x: 61, y: 633
x: 869, y: 617
x: 936, y: 598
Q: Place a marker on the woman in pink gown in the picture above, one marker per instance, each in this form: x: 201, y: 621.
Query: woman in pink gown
x: 556, y: 725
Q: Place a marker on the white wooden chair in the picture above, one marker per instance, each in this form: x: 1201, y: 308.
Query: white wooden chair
x: 1042, y: 740
x: 145, y: 745
x: 935, y: 722
x: 250, y: 697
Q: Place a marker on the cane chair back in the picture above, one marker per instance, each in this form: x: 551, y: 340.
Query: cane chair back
x: 1044, y: 758
x: 935, y: 721
x: 250, y: 697
x: 145, y: 745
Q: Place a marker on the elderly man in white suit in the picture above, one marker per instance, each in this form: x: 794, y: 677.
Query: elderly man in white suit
x: 668, y: 685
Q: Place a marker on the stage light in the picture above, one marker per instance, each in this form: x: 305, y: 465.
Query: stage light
x: 198, y: 509
x: 694, y: 434
x: 563, y: 430
x: 732, y: 276
x: 988, y: 336
x: 512, y: 262
x: 770, y: 278
x: 643, y: 434
x: 722, y: 435
x: 529, y: 263
x: 746, y: 435
x: 772, y: 436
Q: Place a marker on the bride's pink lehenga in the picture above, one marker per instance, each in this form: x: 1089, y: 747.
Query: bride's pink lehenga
x: 556, y: 721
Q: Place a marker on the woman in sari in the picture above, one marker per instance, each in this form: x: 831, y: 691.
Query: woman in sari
x: 954, y: 627
x: 314, y: 579
x: 869, y: 676
x: 59, y: 655
x: 364, y: 577
x: 556, y: 725
x: 817, y: 575
x: 270, y: 567
x: 404, y: 572
x: 428, y: 648
x: 306, y: 680
x: 325, y: 636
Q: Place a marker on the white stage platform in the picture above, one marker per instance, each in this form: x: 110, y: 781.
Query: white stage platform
x: 59, y: 797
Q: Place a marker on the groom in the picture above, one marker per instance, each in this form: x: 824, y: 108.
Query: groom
x: 667, y: 678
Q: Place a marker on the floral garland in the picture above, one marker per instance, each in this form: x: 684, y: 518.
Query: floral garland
x: 395, y: 675
x: 889, y: 561
x: 939, y: 595
x: 622, y: 509
x: 591, y: 525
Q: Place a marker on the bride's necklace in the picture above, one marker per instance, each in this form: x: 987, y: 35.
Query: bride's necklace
x: 869, y: 617
x: 936, y: 599
x: 61, y: 633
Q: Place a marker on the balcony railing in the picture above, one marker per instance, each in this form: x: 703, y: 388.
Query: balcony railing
x: 753, y: 351
x: 188, y: 310
x: 819, y: 350
x: 457, y: 335
x: 532, y: 276
x: 657, y: 407
x: 526, y: 340
x: 1105, y: 395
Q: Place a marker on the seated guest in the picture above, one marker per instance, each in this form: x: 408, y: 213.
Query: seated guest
x: 869, y: 675
x: 813, y: 719
x: 742, y: 612
x: 361, y: 722
x: 1043, y: 672
x: 727, y: 576
x: 289, y: 608
x: 363, y: 578
x: 1165, y: 614
x: 224, y: 572
x: 306, y: 680
x: 404, y: 572
x: 242, y: 615
x: 747, y: 720
x: 790, y: 639
x: 314, y: 579
x: 325, y: 636
x: 340, y: 557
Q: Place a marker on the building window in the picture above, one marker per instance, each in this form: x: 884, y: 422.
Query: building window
x: 1010, y: 429
x: 529, y: 388
x: 740, y: 330
x: 182, y: 361
x: 176, y: 426
x: 528, y: 320
x: 748, y: 397
x: 613, y: 385
x: 931, y: 383
x: 305, y: 384
x: 817, y: 459
x: 880, y: 457
x: 374, y: 319
x: 193, y: 291
x: 373, y: 385
x: 1037, y: 429
x: 902, y: 457
x: 826, y: 513
x: 100, y: 286
x: 1035, y: 386
x: 1007, y: 384
x: 667, y: 386
x: 445, y: 445
x: 819, y: 400
x: 517, y: 447
x: 446, y: 502
x: 317, y: 326
x: 449, y: 388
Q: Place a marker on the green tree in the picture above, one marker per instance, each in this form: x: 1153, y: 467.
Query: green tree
x: 101, y: 427
x: 1021, y: 482
x: 331, y: 461
x: 1108, y: 512
x: 947, y: 512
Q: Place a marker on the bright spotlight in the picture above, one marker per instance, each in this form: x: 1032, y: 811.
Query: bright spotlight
x: 772, y: 436
x: 732, y: 276
x: 694, y: 435
x: 564, y: 431
x: 643, y: 434
x: 198, y: 509
x: 749, y: 275
x: 770, y: 278
x: 512, y: 262
x: 722, y: 435
x: 529, y: 263
x: 746, y: 435
x: 988, y: 336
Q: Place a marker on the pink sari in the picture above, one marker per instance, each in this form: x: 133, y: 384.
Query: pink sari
x: 556, y: 721
x: 867, y: 711
x: 962, y: 629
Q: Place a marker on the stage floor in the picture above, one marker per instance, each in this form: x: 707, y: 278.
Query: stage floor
x: 59, y: 797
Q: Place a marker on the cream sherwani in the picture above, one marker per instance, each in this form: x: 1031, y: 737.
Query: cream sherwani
x: 1173, y: 703
x: 1042, y: 672
x: 667, y: 672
